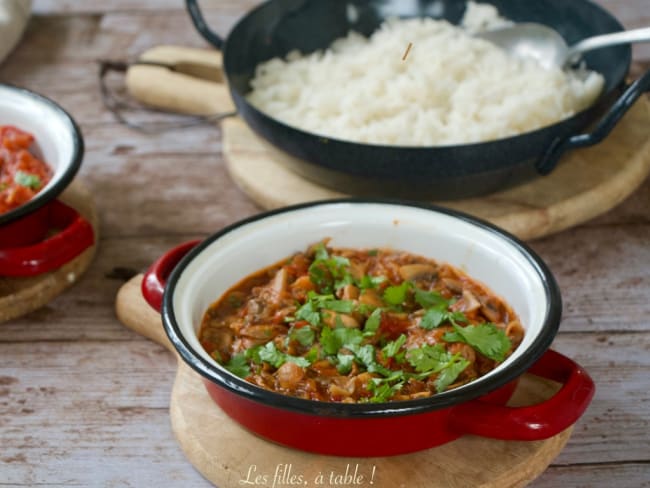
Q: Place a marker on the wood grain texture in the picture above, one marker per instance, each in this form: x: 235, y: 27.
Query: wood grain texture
x: 85, y: 402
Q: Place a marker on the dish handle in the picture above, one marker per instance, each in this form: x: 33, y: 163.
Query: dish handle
x: 201, y: 25
x: 535, y: 422
x: 551, y: 156
x: 155, y: 279
x: 75, y: 236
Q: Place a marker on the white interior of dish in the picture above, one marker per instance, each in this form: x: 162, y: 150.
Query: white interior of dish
x: 54, y: 143
x: 483, y: 254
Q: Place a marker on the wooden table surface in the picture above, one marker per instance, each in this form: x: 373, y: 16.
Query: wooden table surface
x: 84, y: 401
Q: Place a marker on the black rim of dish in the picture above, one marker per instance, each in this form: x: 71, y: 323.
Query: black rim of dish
x: 473, y: 390
x: 71, y: 170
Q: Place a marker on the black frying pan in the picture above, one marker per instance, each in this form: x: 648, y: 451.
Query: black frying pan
x: 435, y: 172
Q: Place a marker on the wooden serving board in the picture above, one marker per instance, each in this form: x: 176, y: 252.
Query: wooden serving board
x: 230, y: 456
x: 587, y: 182
x: 19, y: 296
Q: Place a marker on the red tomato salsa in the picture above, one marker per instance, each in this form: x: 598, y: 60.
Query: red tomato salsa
x: 355, y: 325
x: 21, y: 174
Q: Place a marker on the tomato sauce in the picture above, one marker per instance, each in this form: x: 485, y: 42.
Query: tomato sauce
x: 22, y: 175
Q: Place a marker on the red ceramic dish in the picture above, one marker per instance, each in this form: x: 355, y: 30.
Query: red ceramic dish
x: 194, y: 274
x: 25, y: 246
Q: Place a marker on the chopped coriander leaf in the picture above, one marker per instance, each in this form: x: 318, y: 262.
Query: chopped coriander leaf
x: 428, y: 299
x: 309, y: 313
x: 300, y: 361
x: 340, y: 306
x: 313, y: 354
x: 346, y: 279
x: 373, y: 322
x: 320, y: 252
x: 216, y: 355
x: 396, y: 295
x: 391, y: 349
x: 329, y: 273
x: 368, y: 282
x: 304, y: 335
x: 345, y: 361
x: 253, y: 353
x: 238, y: 365
x: 334, y: 339
x: 373, y: 252
x: 436, y: 316
x: 365, y: 355
x: 433, y: 318
x: 365, y: 308
x: 449, y: 374
x: 487, y: 339
x: 27, y: 180
x: 382, y: 388
x: 427, y: 358
x: 269, y: 353
x: 319, y: 276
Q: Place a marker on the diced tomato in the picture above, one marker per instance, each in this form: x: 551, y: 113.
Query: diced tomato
x: 21, y: 174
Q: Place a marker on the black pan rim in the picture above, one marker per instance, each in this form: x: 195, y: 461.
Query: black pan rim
x: 222, y: 378
x: 485, y: 145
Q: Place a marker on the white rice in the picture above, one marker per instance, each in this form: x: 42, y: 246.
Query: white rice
x: 451, y: 89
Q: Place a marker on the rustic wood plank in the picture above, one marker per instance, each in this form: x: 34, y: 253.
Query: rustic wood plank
x: 89, y: 414
x: 632, y: 475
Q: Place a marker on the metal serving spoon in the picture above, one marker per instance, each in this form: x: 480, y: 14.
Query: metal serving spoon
x: 544, y: 44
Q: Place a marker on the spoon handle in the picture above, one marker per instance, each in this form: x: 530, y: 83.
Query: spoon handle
x: 606, y: 40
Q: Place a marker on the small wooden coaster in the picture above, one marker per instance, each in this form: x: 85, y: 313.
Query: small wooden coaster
x: 230, y: 456
x: 587, y: 183
x: 19, y: 296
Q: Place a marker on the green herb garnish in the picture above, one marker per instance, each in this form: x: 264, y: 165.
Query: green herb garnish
x: 373, y: 322
x: 488, y: 339
x: 396, y: 295
x: 238, y: 365
x: 392, y: 348
x: 27, y: 180
x: 304, y: 335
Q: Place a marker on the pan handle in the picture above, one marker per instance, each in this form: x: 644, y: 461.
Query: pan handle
x: 201, y: 25
x: 551, y: 156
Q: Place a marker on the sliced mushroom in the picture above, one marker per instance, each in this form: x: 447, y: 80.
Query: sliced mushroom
x: 453, y: 285
x: 349, y: 292
x: 468, y: 303
x: 491, y: 309
x: 278, y: 286
x: 289, y: 375
x: 221, y: 337
x: 264, y: 332
x: 414, y: 272
x: 371, y: 297
x: 333, y: 318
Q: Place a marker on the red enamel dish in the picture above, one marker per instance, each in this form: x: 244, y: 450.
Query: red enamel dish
x: 43, y: 234
x: 190, y: 277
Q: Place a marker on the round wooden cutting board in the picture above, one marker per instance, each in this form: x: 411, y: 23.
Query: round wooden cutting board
x: 19, y: 296
x: 586, y: 183
x: 230, y: 456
